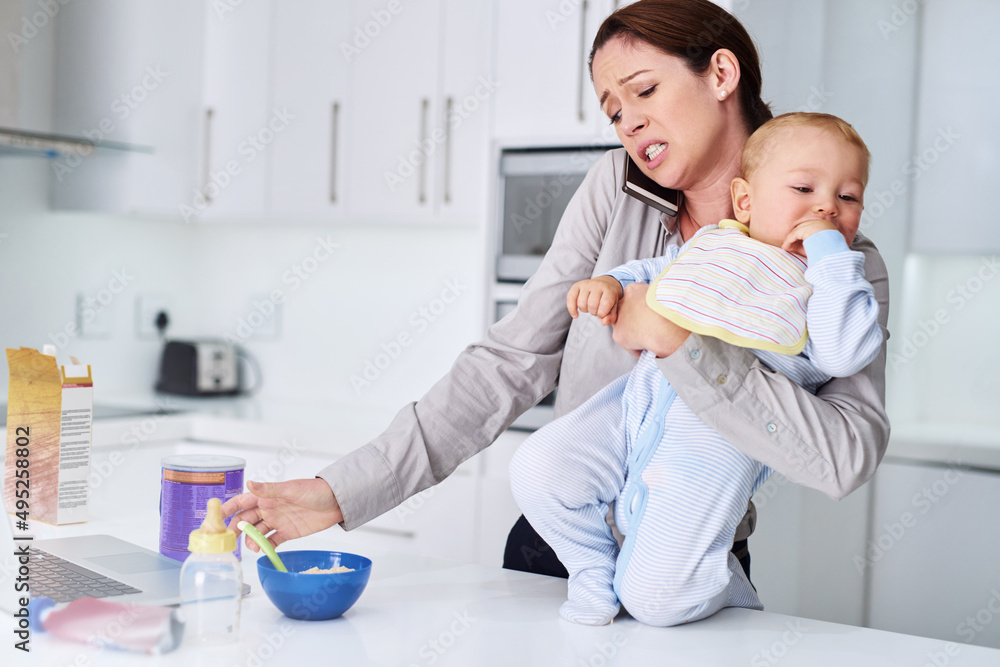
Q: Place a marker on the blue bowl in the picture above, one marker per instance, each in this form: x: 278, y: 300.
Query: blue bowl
x: 314, y: 597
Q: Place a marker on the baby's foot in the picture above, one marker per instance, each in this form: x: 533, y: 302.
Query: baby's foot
x: 588, y: 614
x: 592, y: 599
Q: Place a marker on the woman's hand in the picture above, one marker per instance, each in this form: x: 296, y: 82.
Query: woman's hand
x: 639, y: 328
x: 291, y: 509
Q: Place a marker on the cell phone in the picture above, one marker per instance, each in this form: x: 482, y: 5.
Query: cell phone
x: 642, y: 187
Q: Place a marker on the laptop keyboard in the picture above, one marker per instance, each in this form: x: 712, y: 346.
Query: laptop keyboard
x: 53, y: 577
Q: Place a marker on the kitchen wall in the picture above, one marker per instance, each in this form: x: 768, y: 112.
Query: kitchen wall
x: 377, y: 323
x: 808, y: 65
x: 865, y: 61
x: 367, y: 317
x: 47, y: 259
x: 945, y: 367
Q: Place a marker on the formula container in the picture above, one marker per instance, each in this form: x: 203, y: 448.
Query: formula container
x: 187, y: 482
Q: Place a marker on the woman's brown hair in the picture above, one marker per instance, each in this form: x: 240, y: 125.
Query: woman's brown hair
x: 692, y: 30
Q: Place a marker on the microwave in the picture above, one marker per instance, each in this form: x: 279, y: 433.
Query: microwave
x: 534, y: 187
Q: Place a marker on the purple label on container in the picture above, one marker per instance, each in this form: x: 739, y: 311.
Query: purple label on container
x: 184, y: 496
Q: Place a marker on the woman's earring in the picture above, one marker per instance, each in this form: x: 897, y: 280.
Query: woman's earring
x: 722, y: 95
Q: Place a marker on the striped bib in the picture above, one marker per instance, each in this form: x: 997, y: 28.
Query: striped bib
x: 732, y: 287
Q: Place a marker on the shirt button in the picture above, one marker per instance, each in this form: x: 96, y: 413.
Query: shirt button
x: 771, y: 428
x: 695, y: 354
x: 721, y: 379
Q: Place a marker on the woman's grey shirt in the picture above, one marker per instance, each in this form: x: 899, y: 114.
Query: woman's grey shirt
x: 831, y: 442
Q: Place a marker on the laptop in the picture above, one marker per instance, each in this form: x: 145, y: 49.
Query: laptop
x: 98, y: 566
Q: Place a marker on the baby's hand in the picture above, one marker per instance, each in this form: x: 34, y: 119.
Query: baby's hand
x: 802, y: 231
x: 598, y: 296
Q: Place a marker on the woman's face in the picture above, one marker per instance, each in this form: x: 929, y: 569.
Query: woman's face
x: 670, y: 120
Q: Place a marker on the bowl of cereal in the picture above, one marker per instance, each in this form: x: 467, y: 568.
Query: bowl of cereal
x: 319, y: 585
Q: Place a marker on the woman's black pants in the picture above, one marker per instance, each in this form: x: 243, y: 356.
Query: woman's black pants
x: 528, y: 552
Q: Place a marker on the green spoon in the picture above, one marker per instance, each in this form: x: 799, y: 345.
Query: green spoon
x: 256, y: 536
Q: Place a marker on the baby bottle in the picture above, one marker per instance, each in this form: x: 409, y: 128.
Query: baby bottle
x: 211, y: 582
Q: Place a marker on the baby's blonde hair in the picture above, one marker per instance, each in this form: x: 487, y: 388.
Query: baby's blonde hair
x: 755, y: 149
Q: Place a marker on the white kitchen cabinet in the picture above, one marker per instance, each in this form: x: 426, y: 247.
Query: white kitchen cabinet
x: 239, y: 127
x: 10, y: 67
x: 310, y: 158
x: 467, y: 517
x: 397, y: 114
x: 545, y: 88
x: 392, y: 111
x: 369, y: 112
x: 439, y: 521
x: 420, y: 108
x: 802, y: 549
x: 932, y: 553
x: 189, y: 80
x: 129, y: 72
x: 468, y: 85
x: 497, y: 511
x: 361, y: 79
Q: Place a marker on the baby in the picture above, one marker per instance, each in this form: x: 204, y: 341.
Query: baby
x: 679, y: 489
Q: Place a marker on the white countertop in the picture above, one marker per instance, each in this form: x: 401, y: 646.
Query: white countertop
x: 246, y: 420
x: 946, y: 443
x: 422, y: 611
x: 426, y: 611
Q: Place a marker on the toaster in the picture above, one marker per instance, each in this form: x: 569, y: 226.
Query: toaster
x: 199, y: 368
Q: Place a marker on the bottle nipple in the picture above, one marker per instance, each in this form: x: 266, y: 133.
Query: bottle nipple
x: 212, y: 536
x: 213, y: 522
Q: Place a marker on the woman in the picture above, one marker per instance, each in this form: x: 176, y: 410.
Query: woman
x: 680, y: 81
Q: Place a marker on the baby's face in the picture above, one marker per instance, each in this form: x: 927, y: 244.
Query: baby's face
x: 807, y: 174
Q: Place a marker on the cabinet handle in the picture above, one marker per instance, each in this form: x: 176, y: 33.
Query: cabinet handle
x: 447, y: 150
x: 583, y: 58
x: 422, y: 193
x: 424, y: 106
x: 206, y: 161
x: 392, y: 532
x: 334, y: 121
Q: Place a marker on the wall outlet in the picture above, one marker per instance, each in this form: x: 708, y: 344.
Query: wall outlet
x: 147, y: 309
